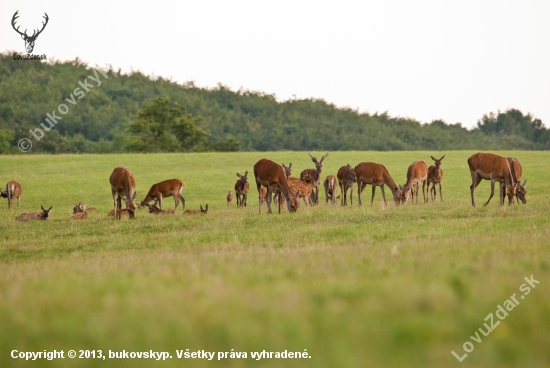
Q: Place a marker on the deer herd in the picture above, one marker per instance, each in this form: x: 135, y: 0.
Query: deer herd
x: 275, y: 184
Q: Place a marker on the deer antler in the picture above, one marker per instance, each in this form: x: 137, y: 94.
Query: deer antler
x: 43, y: 26
x: 312, y: 158
x: 15, y: 16
x: 322, y: 158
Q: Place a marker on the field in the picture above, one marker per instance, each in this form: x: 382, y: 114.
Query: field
x: 370, y: 286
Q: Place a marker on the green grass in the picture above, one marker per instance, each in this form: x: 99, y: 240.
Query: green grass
x: 369, y: 286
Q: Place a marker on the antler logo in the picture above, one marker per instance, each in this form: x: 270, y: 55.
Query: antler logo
x: 29, y: 40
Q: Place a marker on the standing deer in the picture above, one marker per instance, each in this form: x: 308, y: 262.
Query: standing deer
x: 123, y: 187
x: 194, y: 212
x: 241, y: 189
x: 167, y: 188
x: 331, y: 189
x: 376, y: 175
x: 346, y: 177
x: 303, y: 188
x: 229, y: 198
x: 517, y: 172
x: 495, y: 168
x: 435, y: 176
x: 288, y: 172
x: 417, y: 173
x: 315, y: 174
x: 273, y: 177
x: 13, y: 192
x: 30, y: 216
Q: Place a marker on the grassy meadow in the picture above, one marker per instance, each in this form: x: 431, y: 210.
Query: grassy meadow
x: 370, y: 286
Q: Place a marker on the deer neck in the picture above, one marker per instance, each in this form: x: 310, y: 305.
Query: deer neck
x: 390, y: 183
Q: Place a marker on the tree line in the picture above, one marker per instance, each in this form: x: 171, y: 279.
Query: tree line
x: 138, y: 113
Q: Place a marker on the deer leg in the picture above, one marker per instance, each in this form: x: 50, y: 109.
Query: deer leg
x: 360, y: 187
x: 492, y: 192
x: 350, y: 195
x: 160, y: 201
x: 341, y: 191
x: 383, y: 193
x: 268, y: 200
x: 440, y: 193
x: 259, y: 186
x: 475, y: 182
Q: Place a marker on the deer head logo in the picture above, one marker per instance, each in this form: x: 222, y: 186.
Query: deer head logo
x: 29, y: 40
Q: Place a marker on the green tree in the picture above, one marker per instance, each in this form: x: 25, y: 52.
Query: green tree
x: 164, y: 127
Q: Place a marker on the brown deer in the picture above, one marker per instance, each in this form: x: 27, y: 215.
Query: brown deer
x: 376, y: 175
x: 79, y: 212
x: 517, y: 172
x: 288, y: 172
x: 331, y: 189
x: 435, y: 176
x: 303, y: 188
x: 194, y: 212
x: 30, y: 216
x: 346, y: 177
x: 241, y: 189
x: 81, y: 207
x: 123, y: 212
x: 123, y: 187
x: 157, y: 211
x: 273, y: 177
x: 164, y: 189
x: 13, y: 192
x: 315, y: 174
x: 495, y: 168
x: 417, y: 173
x: 229, y: 198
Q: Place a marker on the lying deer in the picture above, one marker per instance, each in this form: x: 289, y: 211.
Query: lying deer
x: 122, y: 212
x: 30, y: 216
x: 79, y: 212
x: 194, y: 212
x: 157, y: 211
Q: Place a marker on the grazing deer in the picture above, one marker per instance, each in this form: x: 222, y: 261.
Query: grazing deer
x: 157, y: 211
x: 241, y: 189
x: 229, y: 198
x: 315, y: 174
x: 377, y: 175
x: 164, y: 189
x: 435, y: 176
x: 13, y: 192
x: 331, y: 189
x: 123, y: 212
x: 346, y: 177
x: 495, y: 168
x: 30, y: 216
x: 417, y: 173
x: 194, y: 212
x: 123, y: 187
x: 273, y: 177
x: 517, y: 172
x: 302, y: 188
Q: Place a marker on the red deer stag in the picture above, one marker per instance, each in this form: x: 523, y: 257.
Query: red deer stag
x: 517, y: 172
x: 13, y: 192
x: 241, y: 189
x: 495, y: 168
x: 194, y: 212
x: 35, y: 215
x: 435, y: 176
x: 123, y: 187
x: 346, y: 177
x: 377, y: 175
x: 417, y: 173
x: 315, y: 174
x: 167, y: 188
x: 273, y: 177
x: 331, y: 189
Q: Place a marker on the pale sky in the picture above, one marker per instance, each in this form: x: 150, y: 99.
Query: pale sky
x: 449, y: 60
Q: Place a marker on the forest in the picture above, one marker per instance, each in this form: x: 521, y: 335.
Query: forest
x: 138, y: 113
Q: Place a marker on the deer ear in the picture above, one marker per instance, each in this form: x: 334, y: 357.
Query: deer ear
x: 246, y: 173
x: 201, y: 208
x: 239, y: 175
x: 42, y: 208
x: 135, y: 196
x: 49, y: 209
x: 207, y: 206
x: 433, y: 158
x: 442, y: 158
x: 290, y: 166
x: 525, y: 183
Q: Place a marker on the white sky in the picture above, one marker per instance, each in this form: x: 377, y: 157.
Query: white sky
x: 450, y: 60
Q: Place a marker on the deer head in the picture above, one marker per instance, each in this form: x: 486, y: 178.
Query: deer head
x: 288, y: 170
x: 130, y: 205
x: 437, y: 162
x: 520, y: 191
x: 205, y: 210
x: 352, y: 176
x: 244, y: 178
x: 29, y: 40
x: 3, y: 194
x: 318, y: 164
x: 45, y: 212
